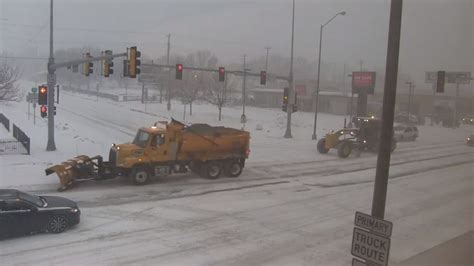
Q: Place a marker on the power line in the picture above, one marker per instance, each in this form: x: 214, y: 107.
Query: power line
x: 118, y: 31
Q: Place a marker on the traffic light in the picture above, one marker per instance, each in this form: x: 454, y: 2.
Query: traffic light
x: 221, y: 74
x: 43, y: 95
x: 87, y: 68
x: 440, y: 81
x: 44, y: 111
x: 263, y: 77
x: 179, y: 71
x: 134, y: 62
x: 54, y: 110
x: 108, y: 65
x: 286, y: 94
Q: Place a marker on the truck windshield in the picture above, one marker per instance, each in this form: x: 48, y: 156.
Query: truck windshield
x: 141, y: 138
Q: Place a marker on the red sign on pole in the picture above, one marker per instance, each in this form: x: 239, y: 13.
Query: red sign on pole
x: 300, y: 89
x: 363, y: 81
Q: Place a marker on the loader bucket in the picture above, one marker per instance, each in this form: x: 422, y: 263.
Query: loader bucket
x: 70, y: 170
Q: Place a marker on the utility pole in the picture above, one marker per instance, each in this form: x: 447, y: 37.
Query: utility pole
x: 290, y: 80
x: 433, y: 104
x: 168, y: 91
x: 266, y: 58
x: 51, y: 80
x: 390, y: 92
x: 410, y: 87
x: 455, y: 122
x: 244, y: 91
x: 360, y: 64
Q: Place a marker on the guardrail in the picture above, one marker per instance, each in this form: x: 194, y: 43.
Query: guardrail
x: 5, y: 121
x: 9, y: 146
x: 19, y: 135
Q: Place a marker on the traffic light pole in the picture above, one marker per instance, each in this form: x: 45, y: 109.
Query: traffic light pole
x: 51, y: 80
x: 390, y: 91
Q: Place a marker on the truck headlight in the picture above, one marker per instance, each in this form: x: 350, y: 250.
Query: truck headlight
x: 74, y: 210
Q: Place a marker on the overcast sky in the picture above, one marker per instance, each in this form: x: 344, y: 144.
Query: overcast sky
x: 436, y: 34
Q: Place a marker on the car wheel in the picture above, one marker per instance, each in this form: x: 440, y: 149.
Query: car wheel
x: 234, y: 169
x: 139, y: 176
x: 322, y: 146
x: 57, y: 224
x: 212, y: 170
x: 344, y: 149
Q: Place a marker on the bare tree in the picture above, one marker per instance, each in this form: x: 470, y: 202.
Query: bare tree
x: 194, y: 81
x: 219, y: 93
x: 9, y: 75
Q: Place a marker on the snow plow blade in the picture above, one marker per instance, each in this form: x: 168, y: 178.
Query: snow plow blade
x: 79, y: 168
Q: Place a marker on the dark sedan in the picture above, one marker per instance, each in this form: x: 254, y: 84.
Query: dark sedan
x: 22, y: 213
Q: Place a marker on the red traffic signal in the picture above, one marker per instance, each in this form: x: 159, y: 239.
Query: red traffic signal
x: 221, y: 74
x: 179, y: 71
x: 263, y: 77
x: 44, y: 111
x: 43, y: 95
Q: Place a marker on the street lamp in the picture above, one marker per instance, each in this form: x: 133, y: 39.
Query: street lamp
x: 410, y: 87
x: 319, y: 71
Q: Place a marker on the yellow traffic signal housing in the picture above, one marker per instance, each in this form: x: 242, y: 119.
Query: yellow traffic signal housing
x: 134, y: 62
x: 108, y: 65
x: 87, y: 68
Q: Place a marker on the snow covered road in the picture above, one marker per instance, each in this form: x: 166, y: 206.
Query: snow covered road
x: 291, y: 206
x: 291, y: 222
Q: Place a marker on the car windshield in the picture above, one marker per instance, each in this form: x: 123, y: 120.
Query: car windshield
x: 33, y: 199
x: 141, y: 138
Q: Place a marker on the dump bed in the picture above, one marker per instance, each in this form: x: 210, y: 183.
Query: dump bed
x: 205, y: 142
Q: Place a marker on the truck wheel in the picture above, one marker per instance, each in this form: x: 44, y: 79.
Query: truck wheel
x: 233, y: 169
x: 139, y: 176
x: 344, y: 149
x: 212, y: 170
x: 322, y: 146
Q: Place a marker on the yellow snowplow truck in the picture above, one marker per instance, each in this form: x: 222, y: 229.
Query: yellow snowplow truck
x: 160, y: 150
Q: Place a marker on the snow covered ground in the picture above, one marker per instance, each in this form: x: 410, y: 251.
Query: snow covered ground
x: 291, y: 206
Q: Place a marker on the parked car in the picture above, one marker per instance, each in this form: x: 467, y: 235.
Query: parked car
x: 405, y: 132
x: 22, y: 213
x: 470, y: 140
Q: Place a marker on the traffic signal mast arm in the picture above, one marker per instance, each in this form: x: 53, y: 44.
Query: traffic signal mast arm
x: 234, y: 72
x: 85, y: 60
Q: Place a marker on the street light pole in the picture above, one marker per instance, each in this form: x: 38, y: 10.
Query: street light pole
x: 410, y: 87
x: 290, y: 79
x: 266, y: 58
x: 319, y: 73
